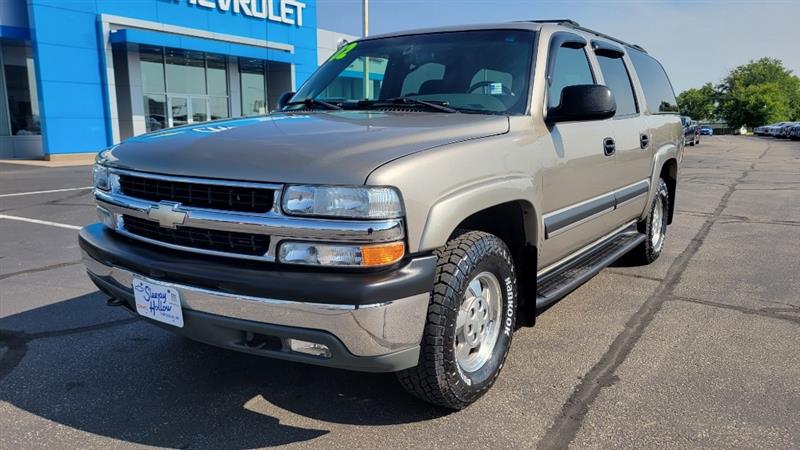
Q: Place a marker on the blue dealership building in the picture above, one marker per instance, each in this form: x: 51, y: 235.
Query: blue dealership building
x: 77, y: 76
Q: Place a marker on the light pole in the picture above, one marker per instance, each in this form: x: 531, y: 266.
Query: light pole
x: 365, y: 8
x: 365, y: 33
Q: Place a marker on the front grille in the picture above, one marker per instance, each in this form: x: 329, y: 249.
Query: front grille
x: 198, y: 238
x: 199, y: 195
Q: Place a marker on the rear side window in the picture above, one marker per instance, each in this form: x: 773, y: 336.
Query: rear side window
x: 657, y: 89
x: 617, y: 79
x: 571, y: 68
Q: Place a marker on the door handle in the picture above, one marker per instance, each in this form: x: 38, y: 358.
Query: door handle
x: 644, y: 141
x: 609, y: 146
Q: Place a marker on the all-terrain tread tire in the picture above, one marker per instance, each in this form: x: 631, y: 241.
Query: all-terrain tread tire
x: 645, y: 253
x: 433, y: 379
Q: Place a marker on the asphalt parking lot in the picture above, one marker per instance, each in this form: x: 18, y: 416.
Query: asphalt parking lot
x: 699, y: 349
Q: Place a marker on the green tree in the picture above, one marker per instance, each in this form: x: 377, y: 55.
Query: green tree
x: 758, y: 93
x: 699, y: 104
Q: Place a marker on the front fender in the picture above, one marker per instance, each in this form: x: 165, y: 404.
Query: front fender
x: 443, y: 186
x: 447, y: 213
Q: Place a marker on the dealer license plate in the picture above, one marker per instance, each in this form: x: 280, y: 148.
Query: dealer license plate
x: 158, y: 302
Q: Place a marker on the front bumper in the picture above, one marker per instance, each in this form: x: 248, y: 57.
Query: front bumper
x: 226, y: 303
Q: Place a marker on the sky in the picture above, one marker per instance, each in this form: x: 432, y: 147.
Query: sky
x: 696, y: 41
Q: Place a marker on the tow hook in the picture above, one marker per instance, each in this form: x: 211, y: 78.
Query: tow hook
x: 114, y: 302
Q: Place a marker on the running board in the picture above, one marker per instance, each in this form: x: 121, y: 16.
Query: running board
x: 556, y: 285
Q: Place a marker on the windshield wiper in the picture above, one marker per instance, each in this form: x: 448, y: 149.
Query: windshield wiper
x: 312, y: 102
x: 409, y: 101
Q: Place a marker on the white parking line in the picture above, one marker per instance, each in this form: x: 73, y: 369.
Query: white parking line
x: 40, y: 222
x: 45, y: 192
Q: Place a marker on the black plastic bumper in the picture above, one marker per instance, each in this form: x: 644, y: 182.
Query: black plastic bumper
x: 259, y: 279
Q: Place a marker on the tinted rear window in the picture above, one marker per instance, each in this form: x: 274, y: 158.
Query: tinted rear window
x: 616, y: 78
x: 657, y: 89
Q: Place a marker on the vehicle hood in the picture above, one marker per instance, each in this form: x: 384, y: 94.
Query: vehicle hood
x: 326, y: 148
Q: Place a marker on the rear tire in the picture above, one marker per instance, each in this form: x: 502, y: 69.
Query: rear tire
x: 470, y: 324
x: 654, y: 227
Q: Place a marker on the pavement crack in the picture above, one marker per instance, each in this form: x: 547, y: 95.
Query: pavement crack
x: 570, y: 419
x: 39, y: 269
x: 771, y: 313
x: 748, y: 220
x: 634, y: 275
x: 52, y: 202
x: 79, y: 330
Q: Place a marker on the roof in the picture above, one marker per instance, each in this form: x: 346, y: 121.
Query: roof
x: 532, y: 25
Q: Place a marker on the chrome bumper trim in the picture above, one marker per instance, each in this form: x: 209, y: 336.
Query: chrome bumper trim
x: 365, y: 330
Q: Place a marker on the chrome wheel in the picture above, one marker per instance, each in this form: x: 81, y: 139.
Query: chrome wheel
x: 478, y: 322
x: 657, y: 224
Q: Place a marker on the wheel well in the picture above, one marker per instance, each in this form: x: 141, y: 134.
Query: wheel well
x: 669, y: 173
x: 508, y: 222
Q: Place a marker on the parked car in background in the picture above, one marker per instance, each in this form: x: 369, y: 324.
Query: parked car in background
x: 763, y: 130
x: 795, y: 133
x: 772, y: 130
x: 785, y: 130
x: 691, y: 135
x: 707, y: 131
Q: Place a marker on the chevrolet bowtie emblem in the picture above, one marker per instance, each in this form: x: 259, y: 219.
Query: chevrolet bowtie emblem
x: 167, y: 214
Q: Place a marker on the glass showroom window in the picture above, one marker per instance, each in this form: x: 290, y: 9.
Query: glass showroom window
x: 151, y: 60
x: 182, y: 86
x: 254, y: 86
x: 217, y: 76
x: 5, y: 125
x: 20, y: 114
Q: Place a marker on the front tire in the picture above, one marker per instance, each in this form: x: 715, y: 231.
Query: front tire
x: 470, y: 323
x: 654, y: 227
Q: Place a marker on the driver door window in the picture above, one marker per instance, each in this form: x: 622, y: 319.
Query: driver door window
x: 571, y: 68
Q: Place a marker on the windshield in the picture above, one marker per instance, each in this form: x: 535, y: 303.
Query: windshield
x: 484, y: 72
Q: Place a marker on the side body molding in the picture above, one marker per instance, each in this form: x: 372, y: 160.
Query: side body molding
x: 567, y: 218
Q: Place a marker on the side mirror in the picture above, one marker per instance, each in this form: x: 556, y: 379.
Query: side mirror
x: 583, y: 102
x: 284, y: 99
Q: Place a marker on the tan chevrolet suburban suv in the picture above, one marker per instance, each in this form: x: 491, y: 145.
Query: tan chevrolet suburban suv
x: 419, y: 198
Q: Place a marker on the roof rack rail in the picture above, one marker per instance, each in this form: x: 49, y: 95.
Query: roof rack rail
x: 575, y: 25
x: 557, y: 22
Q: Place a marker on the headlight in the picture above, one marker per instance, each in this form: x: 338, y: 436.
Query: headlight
x: 100, y: 177
x: 343, y: 201
x: 341, y: 255
x: 100, y: 170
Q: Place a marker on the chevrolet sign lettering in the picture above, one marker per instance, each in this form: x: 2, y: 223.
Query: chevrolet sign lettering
x: 167, y: 214
x: 289, y: 12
